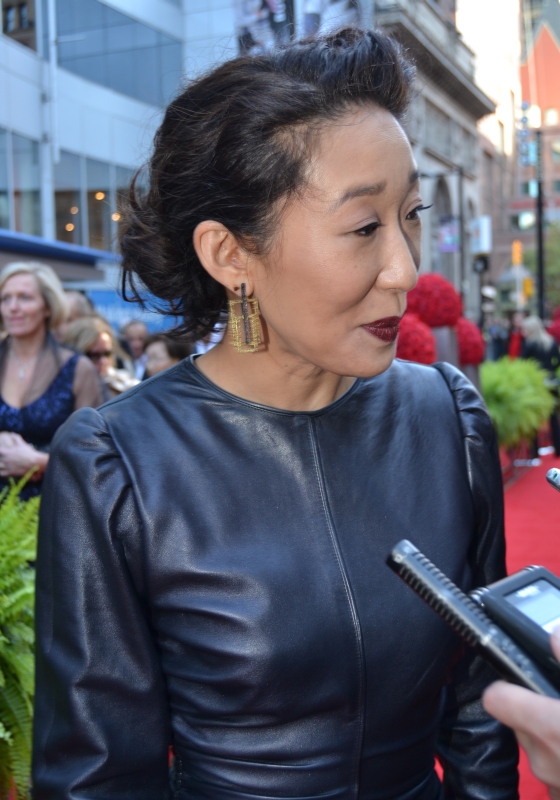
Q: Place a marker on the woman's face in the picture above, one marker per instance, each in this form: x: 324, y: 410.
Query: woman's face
x: 347, y: 251
x: 101, y: 353
x: 22, y: 305
x: 158, y: 358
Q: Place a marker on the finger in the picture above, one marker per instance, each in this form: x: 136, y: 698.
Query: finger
x: 520, y: 708
x: 555, y: 642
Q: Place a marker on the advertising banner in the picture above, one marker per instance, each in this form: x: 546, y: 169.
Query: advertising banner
x: 262, y: 24
x: 449, y: 237
x: 322, y: 16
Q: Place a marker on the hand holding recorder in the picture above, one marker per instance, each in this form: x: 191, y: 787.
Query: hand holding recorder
x: 536, y: 722
x: 515, y: 624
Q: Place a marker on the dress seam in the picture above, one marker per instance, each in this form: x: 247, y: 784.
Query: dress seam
x: 351, y: 602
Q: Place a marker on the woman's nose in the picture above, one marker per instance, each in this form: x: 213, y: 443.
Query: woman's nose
x: 401, y: 258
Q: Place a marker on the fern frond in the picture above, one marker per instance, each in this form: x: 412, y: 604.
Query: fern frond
x: 517, y: 398
x: 18, y: 546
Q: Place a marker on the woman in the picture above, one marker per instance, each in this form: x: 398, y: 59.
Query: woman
x: 542, y: 348
x: 228, y: 593
x: 41, y: 383
x: 94, y: 337
x: 163, y: 352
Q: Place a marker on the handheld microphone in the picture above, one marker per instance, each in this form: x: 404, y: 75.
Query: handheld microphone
x: 467, y: 619
x: 553, y: 477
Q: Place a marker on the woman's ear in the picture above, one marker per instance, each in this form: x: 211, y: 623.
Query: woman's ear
x: 222, y: 256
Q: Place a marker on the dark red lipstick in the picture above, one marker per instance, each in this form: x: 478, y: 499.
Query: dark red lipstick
x: 386, y: 329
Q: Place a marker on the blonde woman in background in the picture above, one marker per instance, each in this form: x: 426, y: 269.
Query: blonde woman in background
x: 41, y: 383
x: 94, y: 337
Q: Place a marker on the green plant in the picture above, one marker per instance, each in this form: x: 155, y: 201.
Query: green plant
x: 18, y: 540
x: 516, y: 397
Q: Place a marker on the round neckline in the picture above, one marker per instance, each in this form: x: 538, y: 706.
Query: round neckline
x: 190, y: 365
x: 51, y: 384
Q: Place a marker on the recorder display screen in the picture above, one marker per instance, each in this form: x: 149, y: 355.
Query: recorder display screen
x: 540, y: 601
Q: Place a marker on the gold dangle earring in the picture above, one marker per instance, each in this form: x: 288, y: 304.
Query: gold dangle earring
x: 245, y: 327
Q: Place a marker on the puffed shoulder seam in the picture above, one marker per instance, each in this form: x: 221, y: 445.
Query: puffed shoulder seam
x: 80, y: 427
x: 472, y: 414
x: 87, y: 431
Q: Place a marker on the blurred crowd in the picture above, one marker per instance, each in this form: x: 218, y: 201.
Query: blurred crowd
x: 525, y: 336
x: 57, y: 354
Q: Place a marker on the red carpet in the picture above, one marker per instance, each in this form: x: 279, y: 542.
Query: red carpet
x: 533, y: 537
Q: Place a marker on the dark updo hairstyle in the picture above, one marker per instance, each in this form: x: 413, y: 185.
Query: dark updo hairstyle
x: 233, y: 145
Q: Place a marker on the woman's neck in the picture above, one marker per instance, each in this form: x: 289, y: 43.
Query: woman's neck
x: 28, y: 347
x: 276, y: 379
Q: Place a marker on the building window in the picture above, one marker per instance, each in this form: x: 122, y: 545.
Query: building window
x: 525, y: 221
x: 67, y: 199
x: 124, y: 177
x: 4, y: 186
x: 88, y: 200
x: 98, y: 204
x: 555, y: 147
x: 530, y: 188
x: 10, y: 23
x: 468, y: 154
x: 556, y: 187
x: 112, y: 49
x: 551, y: 116
x: 27, y: 193
x: 438, y: 130
x: 18, y: 22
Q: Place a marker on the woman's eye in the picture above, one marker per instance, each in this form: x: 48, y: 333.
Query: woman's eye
x: 415, y: 213
x: 367, y: 230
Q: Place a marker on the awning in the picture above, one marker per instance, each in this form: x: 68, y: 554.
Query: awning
x: 70, y: 262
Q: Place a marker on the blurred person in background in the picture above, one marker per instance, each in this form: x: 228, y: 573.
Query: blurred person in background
x: 163, y: 352
x: 211, y: 339
x: 497, y: 338
x: 94, y: 337
x: 135, y: 334
x: 515, y: 339
x: 79, y: 305
x: 542, y: 348
x: 41, y: 382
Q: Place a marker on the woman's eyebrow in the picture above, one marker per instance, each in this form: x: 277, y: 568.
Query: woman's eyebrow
x: 361, y: 191
x: 371, y: 191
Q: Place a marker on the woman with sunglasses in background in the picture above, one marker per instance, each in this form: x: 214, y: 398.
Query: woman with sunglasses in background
x: 41, y: 382
x: 94, y: 337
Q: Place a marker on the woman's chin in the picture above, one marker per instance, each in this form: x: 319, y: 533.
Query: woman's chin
x: 366, y: 362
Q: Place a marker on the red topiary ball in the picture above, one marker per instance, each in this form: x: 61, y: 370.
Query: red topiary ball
x: 435, y: 300
x: 416, y: 342
x: 471, y: 343
x: 554, y: 328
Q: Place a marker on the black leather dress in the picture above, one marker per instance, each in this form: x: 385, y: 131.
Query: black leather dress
x: 211, y: 576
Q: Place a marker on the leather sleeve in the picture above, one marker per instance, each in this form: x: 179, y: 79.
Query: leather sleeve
x: 479, y: 755
x: 101, y: 726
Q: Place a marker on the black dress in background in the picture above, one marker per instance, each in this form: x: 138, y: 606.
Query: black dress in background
x: 217, y: 582
x: 38, y: 420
